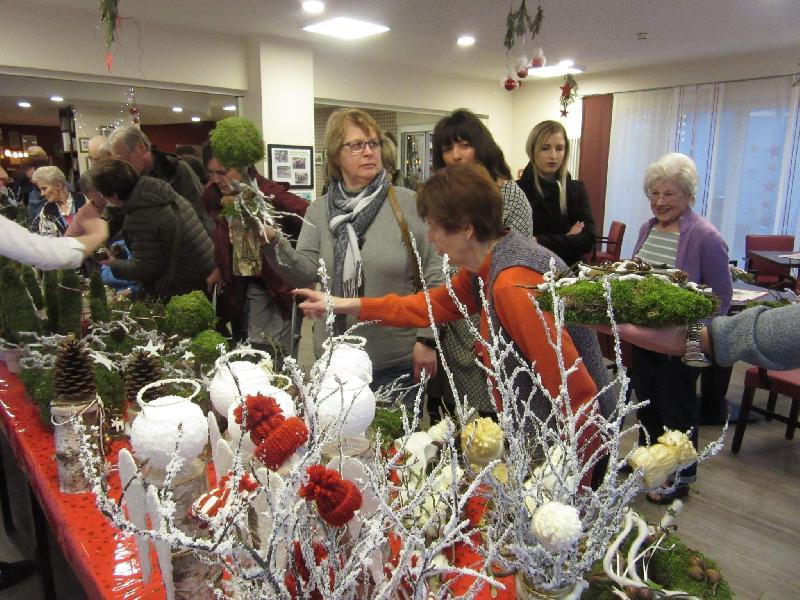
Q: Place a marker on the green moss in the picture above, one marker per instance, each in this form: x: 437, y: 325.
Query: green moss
x: 237, y: 143
x: 51, y: 282
x: 70, y: 304
x: 16, y: 305
x: 98, y: 302
x: 99, y: 311
x: 768, y: 303
x: 649, y: 301
x: 34, y: 287
x: 111, y: 388
x: 204, y: 346
x: 40, y: 386
x: 189, y: 314
x: 390, y: 424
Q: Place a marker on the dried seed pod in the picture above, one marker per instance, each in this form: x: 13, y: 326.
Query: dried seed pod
x: 696, y: 572
x: 645, y: 594
x: 697, y: 561
x: 632, y: 592
x: 713, y: 576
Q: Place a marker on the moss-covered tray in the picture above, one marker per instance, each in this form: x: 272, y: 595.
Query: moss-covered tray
x: 644, y: 296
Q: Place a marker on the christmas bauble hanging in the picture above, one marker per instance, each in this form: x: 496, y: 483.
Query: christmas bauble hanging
x: 510, y: 84
x: 522, y: 67
x: 539, y: 59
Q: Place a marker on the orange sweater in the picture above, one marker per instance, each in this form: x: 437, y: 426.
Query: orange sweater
x: 514, y: 309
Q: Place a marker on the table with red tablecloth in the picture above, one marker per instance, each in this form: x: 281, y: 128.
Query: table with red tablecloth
x: 104, y: 560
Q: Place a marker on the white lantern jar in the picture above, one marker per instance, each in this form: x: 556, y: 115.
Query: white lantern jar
x: 233, y: 380
x: 349, y: 403
x: 346, y: 358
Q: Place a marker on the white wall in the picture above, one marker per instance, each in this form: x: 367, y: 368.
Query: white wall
x: 415, y: 89
x: 63, y: 40
x: 538, y: 100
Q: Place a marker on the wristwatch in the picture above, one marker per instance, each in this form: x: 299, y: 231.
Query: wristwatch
x: 694, y: 356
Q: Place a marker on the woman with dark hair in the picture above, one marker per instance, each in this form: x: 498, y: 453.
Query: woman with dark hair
x: 562, y: 216
x: 462, y: 139
x: 172, y: 252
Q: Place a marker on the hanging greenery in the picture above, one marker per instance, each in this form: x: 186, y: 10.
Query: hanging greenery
x: 519, y: 23
x: 109, y: 21
x: 569, y: 93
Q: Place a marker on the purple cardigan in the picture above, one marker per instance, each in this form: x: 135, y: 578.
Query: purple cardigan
x: 702, y: 253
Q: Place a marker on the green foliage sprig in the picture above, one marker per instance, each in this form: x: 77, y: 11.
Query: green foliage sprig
x: 31, y: 281
x: 16, y: 306
x: 519, y: 22
x: 70, y: 303
x: 237, y: 143
x: 205, y: 346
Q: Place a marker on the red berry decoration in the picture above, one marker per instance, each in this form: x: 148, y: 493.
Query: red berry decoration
x: 134, y: 110
x: 510, y: 84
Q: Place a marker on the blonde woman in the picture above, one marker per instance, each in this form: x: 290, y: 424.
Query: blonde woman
x: 562, y: 216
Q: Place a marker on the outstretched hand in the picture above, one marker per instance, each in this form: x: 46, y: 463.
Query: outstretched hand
x: 313, y: 306
x: 666, y: 340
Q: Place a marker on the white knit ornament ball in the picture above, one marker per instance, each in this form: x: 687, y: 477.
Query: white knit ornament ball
x: 557, y: 526
x: 350, y: 361
x: 154, y: 432
x: 351, y: 401
x: 223, y: 391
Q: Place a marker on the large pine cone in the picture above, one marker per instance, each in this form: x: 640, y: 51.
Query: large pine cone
x: 142, y: 368
x: 74, y: 372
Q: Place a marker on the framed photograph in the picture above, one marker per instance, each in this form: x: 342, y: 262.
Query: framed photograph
x: 28, y: 141
x: 291, y: 164
x: 319, y: 158
x: 14, y: 140
x: 84, y: 144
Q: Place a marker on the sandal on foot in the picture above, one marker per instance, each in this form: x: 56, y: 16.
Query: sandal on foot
x: 679, y: 491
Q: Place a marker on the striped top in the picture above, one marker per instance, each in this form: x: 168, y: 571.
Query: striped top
x: 660, y: 247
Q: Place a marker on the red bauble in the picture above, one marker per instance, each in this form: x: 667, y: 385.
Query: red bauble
x: 522, y: 73
x: 510, y: 84
x: 134, y: 110
x: 135, y: 120
x: 539, y: 59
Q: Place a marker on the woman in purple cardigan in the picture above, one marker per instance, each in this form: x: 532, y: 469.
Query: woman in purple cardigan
x: 678, y: 237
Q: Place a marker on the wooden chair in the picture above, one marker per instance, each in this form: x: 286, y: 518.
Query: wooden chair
x: 613, y: 245
x: 768, y: 273
x: 786, y: 383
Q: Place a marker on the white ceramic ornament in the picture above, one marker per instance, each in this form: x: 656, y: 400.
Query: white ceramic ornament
x: 350, y: 402
x: 223, y: 389
x: 420, y: 449
x: 348, y: 358
x: 154, y: 433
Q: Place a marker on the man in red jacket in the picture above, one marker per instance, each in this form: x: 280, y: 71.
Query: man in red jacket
x: 259, y: 308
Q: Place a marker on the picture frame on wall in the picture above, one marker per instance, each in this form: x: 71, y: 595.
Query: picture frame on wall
x: 28, y: 141
x: 83, y: 144
x: 291, y: 164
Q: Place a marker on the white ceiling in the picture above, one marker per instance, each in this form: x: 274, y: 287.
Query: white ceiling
x: 600, y: 34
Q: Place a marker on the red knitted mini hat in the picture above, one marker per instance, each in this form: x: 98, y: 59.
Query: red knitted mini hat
x: 337, y: 499
x: 300, y: 567
x: 263, y: 415
x: 282, y: 442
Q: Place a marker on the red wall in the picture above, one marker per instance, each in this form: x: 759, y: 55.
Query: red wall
x: 166, y: 137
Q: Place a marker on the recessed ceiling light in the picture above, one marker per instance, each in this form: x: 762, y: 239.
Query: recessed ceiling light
x: 345, y: 28
x: 56, y: 98
x: 24, y: 104
x: 196, y: 119
x: 558, y: 70
x: 313, y: 6
x: 177, y: 109
x: 465, y: 40
x: 229, y: 107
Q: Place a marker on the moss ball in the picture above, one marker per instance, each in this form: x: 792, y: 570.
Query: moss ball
x: 189, y: 314
x: 237, y: 143
x: 205, y: 346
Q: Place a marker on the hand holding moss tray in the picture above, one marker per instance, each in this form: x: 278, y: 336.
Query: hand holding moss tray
x: 640, y: 295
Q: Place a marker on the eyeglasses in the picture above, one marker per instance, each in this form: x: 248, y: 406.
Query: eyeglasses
x: 358, y: 147
x: 667, y: 196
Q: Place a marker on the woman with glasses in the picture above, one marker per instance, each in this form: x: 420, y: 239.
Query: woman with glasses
x: 678, y: 237
x: 357, y: 229
x: 562, y: 216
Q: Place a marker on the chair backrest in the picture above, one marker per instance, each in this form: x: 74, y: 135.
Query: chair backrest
x: 615, y: 234
x: 767, y: 242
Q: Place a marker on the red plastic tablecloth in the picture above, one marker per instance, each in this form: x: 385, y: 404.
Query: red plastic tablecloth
x: 104, y: 560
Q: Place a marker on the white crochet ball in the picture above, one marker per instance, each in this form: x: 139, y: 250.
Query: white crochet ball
x: 557, y: 526
x: 349, y: 361
x: 252, y: 379
x: 352, y: 398
x: 154, y: 432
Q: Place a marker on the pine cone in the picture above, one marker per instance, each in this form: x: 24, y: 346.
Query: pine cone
x: 142, y: 368
x: 74, y: 372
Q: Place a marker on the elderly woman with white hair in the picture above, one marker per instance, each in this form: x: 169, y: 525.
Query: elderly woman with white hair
x: 678, y: 237
x: 60, y: 204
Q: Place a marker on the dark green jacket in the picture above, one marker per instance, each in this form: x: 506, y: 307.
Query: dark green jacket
x: 177, y: 172
x: 149, y: 231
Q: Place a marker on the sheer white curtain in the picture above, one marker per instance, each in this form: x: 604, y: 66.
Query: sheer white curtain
x: 745, y: 139
x: 642, y: 130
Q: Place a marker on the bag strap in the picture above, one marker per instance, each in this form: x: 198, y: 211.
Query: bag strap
x: 176, y: 244
x: 403, y: 224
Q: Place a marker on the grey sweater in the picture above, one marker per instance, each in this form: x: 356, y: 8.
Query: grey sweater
x: 767, y: 337
x: 387, y: 269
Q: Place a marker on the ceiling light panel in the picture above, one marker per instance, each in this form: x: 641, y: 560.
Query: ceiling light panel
x: 345, y: 28
x: 313, y: 7
x: 465, y: 40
